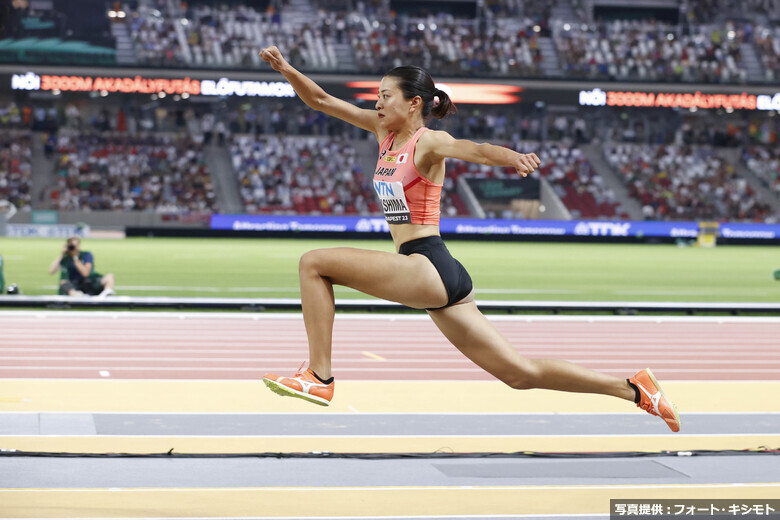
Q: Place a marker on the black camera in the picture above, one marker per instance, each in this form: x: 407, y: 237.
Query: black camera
x: 71, y: 247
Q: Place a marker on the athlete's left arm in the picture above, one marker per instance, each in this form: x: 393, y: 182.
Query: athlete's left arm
x: 439, y: 145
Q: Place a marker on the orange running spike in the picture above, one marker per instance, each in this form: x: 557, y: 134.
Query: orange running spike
x: 653, y: 401
x: 304, y: 385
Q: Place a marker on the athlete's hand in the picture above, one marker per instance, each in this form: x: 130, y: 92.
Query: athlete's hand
x: 526, y: 163
x: 274, y: 58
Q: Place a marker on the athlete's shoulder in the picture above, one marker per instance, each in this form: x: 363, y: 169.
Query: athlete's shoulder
x: 434, y: 138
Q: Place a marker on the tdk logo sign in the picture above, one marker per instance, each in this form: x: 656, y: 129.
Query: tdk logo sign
x: 369, y: 225
x: 602, y: 229
x: 593, y: 98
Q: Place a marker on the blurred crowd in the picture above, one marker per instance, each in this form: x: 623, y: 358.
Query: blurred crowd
x: 674, y: 182
x: 502, y: 40
x: 651, y: 51
x: 447, y: 45
x: 581, y: 189
x: 764, y: 162
x: 768, y: 45
x: 208, y: 35
x: 288, y: 158
x: 15, y: 168
x: 301, y: 175
x: 142, y: 172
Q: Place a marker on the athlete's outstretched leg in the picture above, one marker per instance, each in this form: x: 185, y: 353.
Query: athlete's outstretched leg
x: 480, y: 341
x: 471, y: 332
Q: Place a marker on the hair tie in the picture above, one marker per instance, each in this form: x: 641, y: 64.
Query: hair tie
x: 435, y: 101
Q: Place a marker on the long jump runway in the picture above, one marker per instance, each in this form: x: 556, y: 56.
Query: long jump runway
x: 429, y: 434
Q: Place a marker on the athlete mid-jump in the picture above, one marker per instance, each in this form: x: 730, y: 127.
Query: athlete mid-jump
x: 423, y: 275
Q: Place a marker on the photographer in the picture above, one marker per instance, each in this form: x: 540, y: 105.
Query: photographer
x: 77, y: 272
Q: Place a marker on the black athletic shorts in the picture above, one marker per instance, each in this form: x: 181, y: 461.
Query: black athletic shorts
x: 456, y: 280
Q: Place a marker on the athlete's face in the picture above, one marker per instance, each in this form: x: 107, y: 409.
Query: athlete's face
x: 392, y: 109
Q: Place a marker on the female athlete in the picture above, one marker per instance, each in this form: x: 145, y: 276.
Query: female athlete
x: 423, y: 275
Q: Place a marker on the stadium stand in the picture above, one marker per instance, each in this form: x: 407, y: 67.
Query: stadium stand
x: 143, y: 172
x: 448, y: 45
x: 301, y: 175
x: 223, y: 37
x: 311, y: 175
x: 371, y: 38
x: 767, y: 42
x: 674, y: 182
x: 576, y: 183
x: 651, y: 51
x: 502, y: 38
x: 15, y: 168
x: 765, y: 163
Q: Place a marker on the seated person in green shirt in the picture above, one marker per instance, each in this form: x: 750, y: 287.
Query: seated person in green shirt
x: 77, y: 272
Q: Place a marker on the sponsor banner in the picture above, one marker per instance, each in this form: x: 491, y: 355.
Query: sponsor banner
x: 737, y: 98
x: 151, y: 85
x: 752, y: 231
x: 743, y: 101
x: 582, y: 228
x: 285, y: 223
x: 46, y: 230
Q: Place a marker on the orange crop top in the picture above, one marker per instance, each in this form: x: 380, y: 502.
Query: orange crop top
x: 406, y: 196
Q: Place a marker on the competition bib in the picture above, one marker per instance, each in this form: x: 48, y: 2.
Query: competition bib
x: 394, y: 205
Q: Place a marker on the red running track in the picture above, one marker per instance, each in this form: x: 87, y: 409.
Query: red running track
x: 193, y: 346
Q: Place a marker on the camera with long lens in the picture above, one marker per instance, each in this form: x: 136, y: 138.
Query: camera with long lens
x: 71, y: 248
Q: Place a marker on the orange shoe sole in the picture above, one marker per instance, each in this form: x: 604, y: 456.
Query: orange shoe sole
x: 289, y: 392
x: 674, y: 408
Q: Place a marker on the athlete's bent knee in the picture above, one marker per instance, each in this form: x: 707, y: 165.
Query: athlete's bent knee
x: 308, y: 263
x: 524, y: 377
x: 311, y: 263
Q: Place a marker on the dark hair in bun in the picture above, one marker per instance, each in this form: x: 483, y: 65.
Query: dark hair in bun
x: 415, y: 81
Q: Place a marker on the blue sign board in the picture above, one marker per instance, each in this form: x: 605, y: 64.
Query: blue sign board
x: 598, y: 228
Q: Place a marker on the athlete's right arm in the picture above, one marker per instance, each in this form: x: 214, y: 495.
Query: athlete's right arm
x: 316, y: 98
